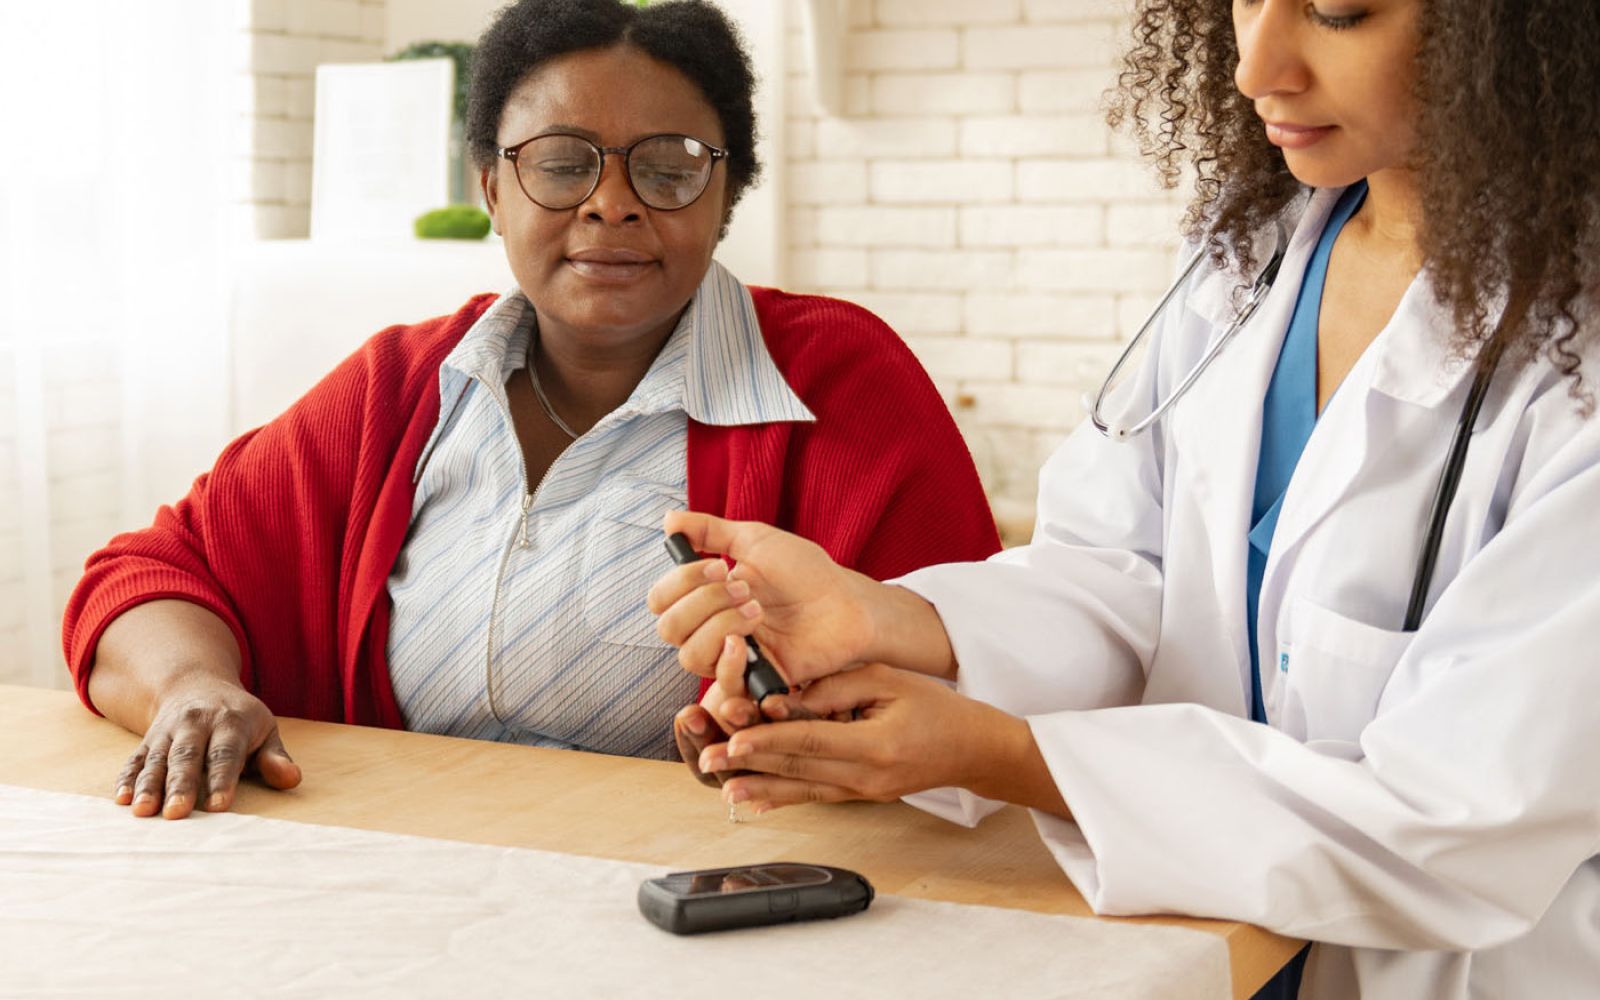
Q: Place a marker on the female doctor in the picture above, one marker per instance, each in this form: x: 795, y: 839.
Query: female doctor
x: 1207, y: 674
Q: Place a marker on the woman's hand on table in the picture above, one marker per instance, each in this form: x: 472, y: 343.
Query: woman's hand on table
x: 907, y: 734
x: 204, y: 734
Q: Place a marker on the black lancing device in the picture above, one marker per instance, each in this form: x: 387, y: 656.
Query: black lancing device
x: 761, y: 678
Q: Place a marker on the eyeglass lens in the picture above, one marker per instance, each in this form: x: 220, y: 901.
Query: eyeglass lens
x: 667, y: 171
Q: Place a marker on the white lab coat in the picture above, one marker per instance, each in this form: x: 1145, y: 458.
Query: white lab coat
x: 1426, y: 805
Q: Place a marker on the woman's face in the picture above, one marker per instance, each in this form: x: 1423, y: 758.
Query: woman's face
x: 1331, y: 80
x: 611, y: 270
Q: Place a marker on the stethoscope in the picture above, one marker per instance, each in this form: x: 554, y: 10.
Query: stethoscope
x: 1449, y: 479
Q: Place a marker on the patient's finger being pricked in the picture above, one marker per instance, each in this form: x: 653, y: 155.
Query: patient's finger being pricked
x: 790, y: 708
x: 694, y: 730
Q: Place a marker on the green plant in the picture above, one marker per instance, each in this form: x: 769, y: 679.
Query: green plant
x: 456, y: 222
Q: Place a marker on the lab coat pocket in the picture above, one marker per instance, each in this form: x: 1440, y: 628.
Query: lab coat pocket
x: 1334, y: 670
x: 623, y: 555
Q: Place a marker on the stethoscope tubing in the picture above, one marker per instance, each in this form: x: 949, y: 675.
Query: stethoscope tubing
x: 1445, y: 493
x: 1258, y: 294
x: 1455, y: 460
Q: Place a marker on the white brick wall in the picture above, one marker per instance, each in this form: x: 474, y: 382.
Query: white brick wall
x: 283, y: 43
x: 971, y: 194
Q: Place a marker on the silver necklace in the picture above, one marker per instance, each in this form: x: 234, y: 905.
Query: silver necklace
x: 538, y: 392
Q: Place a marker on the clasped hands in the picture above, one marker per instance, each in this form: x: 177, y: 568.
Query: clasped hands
x: 853, y: 727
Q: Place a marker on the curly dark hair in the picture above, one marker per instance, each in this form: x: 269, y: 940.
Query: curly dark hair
x: 1508, y: 155
x: 692, y: 36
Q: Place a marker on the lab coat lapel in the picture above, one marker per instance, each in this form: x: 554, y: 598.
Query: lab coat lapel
x: 1217, y: 426
x: 1409, y: 362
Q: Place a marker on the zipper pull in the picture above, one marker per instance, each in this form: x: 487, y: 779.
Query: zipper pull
x: 522, y: 534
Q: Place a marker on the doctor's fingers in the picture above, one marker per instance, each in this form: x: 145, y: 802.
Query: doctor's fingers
x: 686, y: 618
x: 806, y: 749
x: 764, y: 792
x: 681, y: 581
x: 853, y: 692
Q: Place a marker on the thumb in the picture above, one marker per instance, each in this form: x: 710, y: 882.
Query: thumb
x: 274, y: 764
x: 715, y: 535
x: 848, y: 691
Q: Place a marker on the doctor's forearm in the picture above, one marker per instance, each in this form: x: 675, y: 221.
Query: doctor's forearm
x: 1007, y: 766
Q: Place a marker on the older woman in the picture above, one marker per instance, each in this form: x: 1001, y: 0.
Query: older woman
x: 454, y: 531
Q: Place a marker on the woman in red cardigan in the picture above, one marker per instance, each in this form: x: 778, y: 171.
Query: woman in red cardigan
x: 454, y: 531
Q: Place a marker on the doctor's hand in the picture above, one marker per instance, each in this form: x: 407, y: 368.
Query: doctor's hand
x: 812, y: 616
x: 204, y: 735
x: 809, y: 614
x: 910, y: 734
x: 715, y: 716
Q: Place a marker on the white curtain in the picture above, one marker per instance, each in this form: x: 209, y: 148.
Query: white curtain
x: 117, y: 137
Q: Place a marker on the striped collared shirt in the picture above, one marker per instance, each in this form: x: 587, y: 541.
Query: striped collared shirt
x: 521, y: 617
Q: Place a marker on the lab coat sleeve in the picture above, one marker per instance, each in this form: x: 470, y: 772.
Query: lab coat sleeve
x: 1089, y: 583
x: 1086, y: 590
x: 1474, y: 794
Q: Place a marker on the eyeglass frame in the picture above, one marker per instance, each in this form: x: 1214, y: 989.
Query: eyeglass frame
x: 509, y: 154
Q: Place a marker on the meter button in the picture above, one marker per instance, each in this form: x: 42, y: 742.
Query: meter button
x: 783, y: 901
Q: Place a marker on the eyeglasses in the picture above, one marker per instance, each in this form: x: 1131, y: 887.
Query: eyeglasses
x: 559, y: 171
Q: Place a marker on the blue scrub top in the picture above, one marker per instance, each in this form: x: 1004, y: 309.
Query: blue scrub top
x: 1287, y: 418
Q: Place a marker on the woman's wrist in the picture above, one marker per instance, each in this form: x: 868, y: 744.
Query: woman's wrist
x: 155, y: 650
x: 905, y: 631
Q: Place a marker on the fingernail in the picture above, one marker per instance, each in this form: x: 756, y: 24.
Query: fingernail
x: 738, y: 589
x: 742, y: 715
x: 215, y: 802
x: 775, y: 708
x: 695, y: 723
x: 716, y: 570
x: 144, y: 799
x: 175, y: 801
x: 737, y: 795
x: 121, y: 791
x: 737, y: 749
x: 750, y: 609
x: 708, y: 761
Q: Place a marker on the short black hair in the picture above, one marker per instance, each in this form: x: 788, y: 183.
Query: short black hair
x: 692, y: 36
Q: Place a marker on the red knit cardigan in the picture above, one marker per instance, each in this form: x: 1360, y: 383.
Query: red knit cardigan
x: 290, y: 538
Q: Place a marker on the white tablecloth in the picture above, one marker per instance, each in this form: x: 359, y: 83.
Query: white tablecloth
x: 95, y: 903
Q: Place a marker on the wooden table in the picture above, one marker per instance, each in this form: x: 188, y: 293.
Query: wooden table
x: 612, y: 807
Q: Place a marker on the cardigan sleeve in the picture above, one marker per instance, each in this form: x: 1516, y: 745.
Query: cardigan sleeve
x: 166, y: 560
x: 268, y: 538
x: 255, y: 541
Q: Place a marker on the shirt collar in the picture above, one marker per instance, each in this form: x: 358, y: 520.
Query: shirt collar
x: 729, y: 378
x: 715, y: 366
x: 492, y: 348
